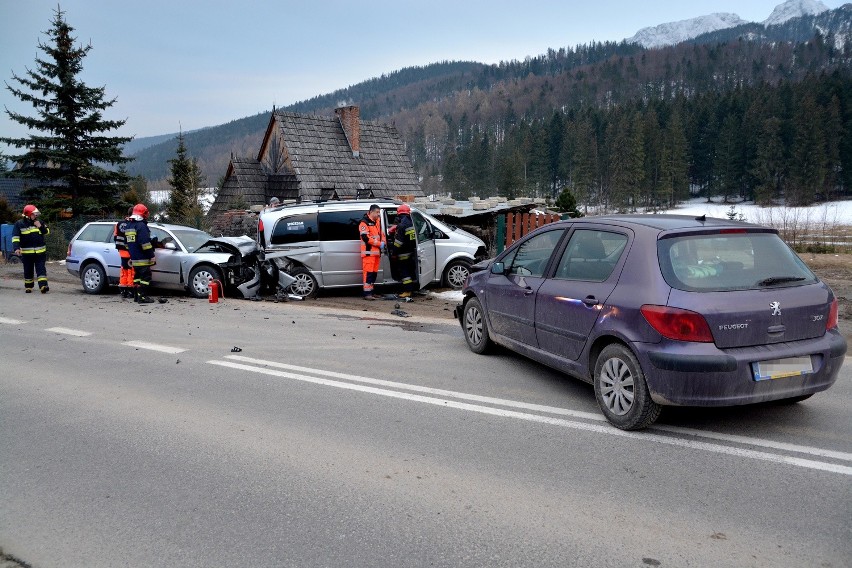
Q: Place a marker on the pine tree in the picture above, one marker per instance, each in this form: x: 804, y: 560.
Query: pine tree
x: 769, y: 165
x: 185, y: 182
x: 674, y: 167
x: 585, y: 163
x: 69, y: 143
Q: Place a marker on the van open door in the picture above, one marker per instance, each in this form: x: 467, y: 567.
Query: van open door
x: 425, y: 248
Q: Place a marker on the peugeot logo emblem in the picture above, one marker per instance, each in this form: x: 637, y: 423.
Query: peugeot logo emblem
x: 776, y: 308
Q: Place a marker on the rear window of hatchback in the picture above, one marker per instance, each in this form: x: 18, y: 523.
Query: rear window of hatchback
x: 730, y: 260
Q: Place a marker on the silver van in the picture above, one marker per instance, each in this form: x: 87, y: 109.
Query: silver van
x: 318, y: 245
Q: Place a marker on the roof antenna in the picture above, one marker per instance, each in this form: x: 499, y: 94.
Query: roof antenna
x: 701, y: 219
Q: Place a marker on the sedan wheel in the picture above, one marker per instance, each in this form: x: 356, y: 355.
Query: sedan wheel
x: 621, y: 390
x: 94, y: 279
x: 200, y: 279
x: 475, y: 327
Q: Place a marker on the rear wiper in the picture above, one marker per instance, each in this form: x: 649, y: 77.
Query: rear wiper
x: 779, y: 279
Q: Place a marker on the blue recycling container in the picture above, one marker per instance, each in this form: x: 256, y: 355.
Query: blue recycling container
x: 6, y: 247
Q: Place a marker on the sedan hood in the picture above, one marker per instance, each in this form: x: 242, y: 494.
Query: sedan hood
x: 244, y: 246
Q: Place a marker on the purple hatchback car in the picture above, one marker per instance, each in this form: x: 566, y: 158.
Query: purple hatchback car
x: 659, y: 310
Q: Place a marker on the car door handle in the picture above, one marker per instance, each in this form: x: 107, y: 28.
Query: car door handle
x: 528, y: 291
x: 590, y: 301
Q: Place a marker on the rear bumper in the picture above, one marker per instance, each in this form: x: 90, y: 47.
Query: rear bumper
x: 697, y: 374
x: 72, y: 265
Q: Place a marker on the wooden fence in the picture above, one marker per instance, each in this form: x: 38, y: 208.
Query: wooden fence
x: 513, y: 226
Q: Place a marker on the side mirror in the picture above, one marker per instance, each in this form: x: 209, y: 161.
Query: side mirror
x: 439, y: 234
x: 498, y: 268
x: 170, y: 245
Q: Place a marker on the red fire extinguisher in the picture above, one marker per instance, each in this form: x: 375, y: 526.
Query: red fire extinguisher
x: 214, y: 292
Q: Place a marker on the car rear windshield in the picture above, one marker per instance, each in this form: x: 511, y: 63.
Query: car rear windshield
x: 730, y: 261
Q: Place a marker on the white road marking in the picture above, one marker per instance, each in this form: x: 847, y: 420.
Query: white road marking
x: 11, y: 321
x: 66, y: 331
x: 553, y: 410
x: 154, y: 347
x: 597, y: 428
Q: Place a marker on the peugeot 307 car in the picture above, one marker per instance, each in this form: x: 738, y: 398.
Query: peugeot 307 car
x: 187, y: 259
x: 658, y: 310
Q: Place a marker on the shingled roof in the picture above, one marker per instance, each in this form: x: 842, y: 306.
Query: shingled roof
x: 310, y: 158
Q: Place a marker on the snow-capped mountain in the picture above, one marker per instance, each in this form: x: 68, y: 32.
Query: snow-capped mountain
x: 794, y: 9
x: 675, y: 32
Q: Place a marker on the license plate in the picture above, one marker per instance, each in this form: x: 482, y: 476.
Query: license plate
x: 782, y: 368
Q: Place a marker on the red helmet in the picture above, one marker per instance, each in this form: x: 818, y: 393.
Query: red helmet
x: 403, y: 209
x: 140, y: 210
x: 30, y: 210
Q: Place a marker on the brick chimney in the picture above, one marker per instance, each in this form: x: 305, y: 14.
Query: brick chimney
x: 349, y: 119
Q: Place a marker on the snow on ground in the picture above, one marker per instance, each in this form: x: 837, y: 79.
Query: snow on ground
x: 448, y: 296
x: 834, y: 213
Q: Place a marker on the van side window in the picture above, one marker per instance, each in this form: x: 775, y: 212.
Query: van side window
x: 295, y: 229
x: 422, y: 226
x: 340, y: 225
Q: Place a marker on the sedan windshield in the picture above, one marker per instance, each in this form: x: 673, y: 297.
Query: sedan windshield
x: 730, y: 261
x: 191, y: 238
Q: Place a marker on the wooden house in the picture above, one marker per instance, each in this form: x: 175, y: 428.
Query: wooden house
x: 312, y: 158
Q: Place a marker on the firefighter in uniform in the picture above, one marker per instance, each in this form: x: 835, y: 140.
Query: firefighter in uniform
x: 28, y: 241
x: 405, y: 251
x: 125, y: 281
x: 373, y: 244
x: 141, y: 248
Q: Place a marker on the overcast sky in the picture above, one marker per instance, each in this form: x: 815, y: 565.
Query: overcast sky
x: 197, y: 63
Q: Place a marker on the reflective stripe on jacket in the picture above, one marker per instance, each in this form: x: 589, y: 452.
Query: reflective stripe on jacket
x: 138, y: 239
x: 29, y: 238
x: 371, y: 237
x: 405, y: 238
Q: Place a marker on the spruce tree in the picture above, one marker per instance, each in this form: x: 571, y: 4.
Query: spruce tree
x: 68, y: 144
x: 185, y: 181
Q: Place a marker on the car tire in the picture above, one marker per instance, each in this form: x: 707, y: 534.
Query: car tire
x: 621, y: 390
x: 475, y: 327
x: 456, y: 273
x: 200, y: 278
x: 306, y: 284
x: 93, y: 278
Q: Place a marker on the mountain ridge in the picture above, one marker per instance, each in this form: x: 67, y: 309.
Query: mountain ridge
x: 417, y: 99
x: 671, y: 33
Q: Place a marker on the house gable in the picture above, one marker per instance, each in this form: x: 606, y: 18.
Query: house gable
x: 310, y: 158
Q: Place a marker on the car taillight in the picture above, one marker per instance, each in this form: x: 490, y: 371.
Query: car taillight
x: 260, y: 225
x: 831, y: 322
x: 68, y: 252
x: 677, y: 324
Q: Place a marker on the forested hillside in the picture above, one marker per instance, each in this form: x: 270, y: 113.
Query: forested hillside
x: 751, y: 116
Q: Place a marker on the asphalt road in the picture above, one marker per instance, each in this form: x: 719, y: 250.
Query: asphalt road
x: 136, y: 436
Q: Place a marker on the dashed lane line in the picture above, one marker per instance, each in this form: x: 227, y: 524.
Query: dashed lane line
x: 67, y: 331
x: 584, y: 426
x: 154, y: 347
x: 11, y: 321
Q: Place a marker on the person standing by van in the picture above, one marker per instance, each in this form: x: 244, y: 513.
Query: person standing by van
x: 373, y: 244
x: 405, y: 251
x: 28, y: 241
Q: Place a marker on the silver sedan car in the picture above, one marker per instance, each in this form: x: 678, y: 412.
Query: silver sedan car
x: 187, y: 259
